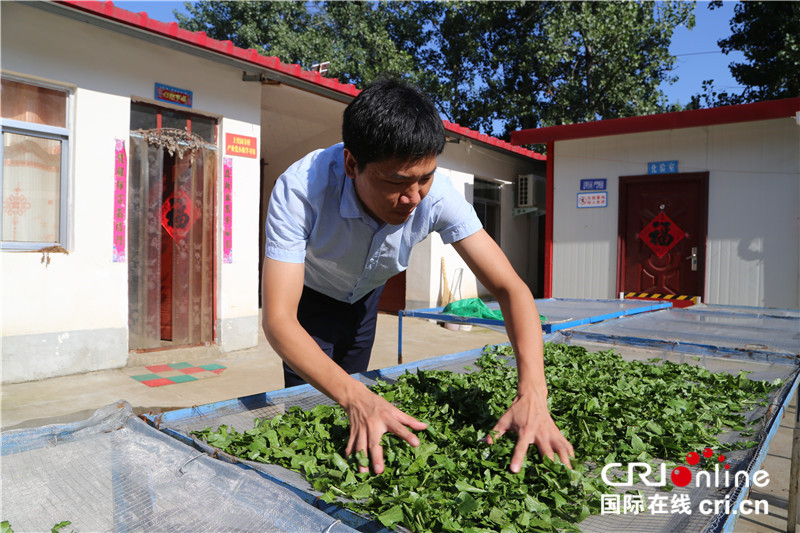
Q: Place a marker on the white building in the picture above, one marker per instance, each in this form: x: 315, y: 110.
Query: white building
x: 698, y: 203
x: 112, y: 244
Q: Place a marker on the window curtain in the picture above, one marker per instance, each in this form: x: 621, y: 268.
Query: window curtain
x: 31, y: 188
x: 171, y: 245
x: 31, y: 103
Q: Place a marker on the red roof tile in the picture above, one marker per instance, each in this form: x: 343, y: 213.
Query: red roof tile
x: 171, y: 30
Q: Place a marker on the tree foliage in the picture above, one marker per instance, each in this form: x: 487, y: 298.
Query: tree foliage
x: 357, y: 38
x: 512, y: 65
x: 768, y: 35
x: 490, y: 66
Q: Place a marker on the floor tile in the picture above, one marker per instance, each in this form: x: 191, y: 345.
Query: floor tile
x: 203, y: 375
x: 145, y: 377
x: 173, y: 373
x: 179, y: 366
x: 182, y: 378
x: 158, y: 368
x: 160, y: 382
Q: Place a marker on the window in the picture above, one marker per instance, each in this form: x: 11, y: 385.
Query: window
x: 33, y: 179
x: 149, y: 117
x: 486, y: 200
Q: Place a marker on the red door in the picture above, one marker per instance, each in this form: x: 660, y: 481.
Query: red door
x: 662, y: 234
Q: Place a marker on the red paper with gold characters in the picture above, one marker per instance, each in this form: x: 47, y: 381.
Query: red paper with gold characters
x: 227, y: 210
x: 178, y: 214
x: 241, y: 145
x: 120, y: 200
x: 661, y: 234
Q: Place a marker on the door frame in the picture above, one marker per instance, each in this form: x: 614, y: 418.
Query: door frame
x: 215, y: 184
x: 624, y: 181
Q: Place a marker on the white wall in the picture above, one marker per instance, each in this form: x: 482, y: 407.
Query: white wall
x: 295, y: 123
x: 72, y: 316
x: 237, y: 282
x: 753, y: 252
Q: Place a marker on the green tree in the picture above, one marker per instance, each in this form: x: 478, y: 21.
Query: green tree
x: 491, y: 66
x: 768, y: 35
x: 269, y: 27
x: 530, y: 64
x: 357, y: 38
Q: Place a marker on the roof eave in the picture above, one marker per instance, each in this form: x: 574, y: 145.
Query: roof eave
x: 138, y: 25
x: 714, y: 116
x: 492, y: 142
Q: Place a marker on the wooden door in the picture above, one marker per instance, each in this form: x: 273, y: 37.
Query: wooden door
x: 662, y: 234
x: 171, y: 228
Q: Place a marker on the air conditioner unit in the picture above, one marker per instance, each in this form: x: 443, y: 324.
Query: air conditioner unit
x: 526, y: 190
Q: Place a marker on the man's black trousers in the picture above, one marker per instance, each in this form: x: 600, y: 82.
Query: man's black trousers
x: 344, y: 331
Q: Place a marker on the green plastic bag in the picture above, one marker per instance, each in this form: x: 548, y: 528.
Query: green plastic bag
x: 472, y: 307
x: 475, y: 308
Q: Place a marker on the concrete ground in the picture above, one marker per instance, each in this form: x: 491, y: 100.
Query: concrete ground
x: 255, y: 370
x: 251, y: 371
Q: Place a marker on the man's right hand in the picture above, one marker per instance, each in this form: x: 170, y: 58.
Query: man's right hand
x: 370, y: 417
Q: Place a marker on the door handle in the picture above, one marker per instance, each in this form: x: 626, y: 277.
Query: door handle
x: 693, y: 257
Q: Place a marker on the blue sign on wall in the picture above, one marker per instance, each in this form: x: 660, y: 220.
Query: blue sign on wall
x: 662, y: 167
x: 593, y: 185
x: 173, y: 95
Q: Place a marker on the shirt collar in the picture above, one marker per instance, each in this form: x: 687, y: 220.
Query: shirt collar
x: 350, y: 207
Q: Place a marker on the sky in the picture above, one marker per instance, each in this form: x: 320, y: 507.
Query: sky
x: 699, y: 57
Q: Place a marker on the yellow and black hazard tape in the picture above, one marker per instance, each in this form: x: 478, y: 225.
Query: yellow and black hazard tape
x: 657, y: 296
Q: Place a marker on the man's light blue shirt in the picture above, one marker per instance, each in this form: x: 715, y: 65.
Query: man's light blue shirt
x: 315, y: 217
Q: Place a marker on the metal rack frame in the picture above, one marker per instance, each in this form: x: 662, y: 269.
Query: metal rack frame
x: 551, y: 308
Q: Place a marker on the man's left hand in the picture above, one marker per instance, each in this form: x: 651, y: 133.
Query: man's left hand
x: 530, y: 419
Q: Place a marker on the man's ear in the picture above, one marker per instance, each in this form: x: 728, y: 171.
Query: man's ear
x: 350, y: 164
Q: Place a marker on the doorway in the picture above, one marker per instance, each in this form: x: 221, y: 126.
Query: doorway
x: 170, y: 231
x: 662, y: 234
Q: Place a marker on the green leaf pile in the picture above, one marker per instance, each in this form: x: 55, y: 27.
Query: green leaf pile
x: 5, y: 527
x: 610, y: 409
x: 614, y: 410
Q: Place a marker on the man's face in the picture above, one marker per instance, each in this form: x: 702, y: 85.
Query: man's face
x: 390, y: 190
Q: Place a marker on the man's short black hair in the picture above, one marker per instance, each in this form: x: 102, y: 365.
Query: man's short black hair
x: 390, y: 119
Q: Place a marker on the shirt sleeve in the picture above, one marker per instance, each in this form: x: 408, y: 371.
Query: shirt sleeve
x: 456, y: 217
x: 289, y: 221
